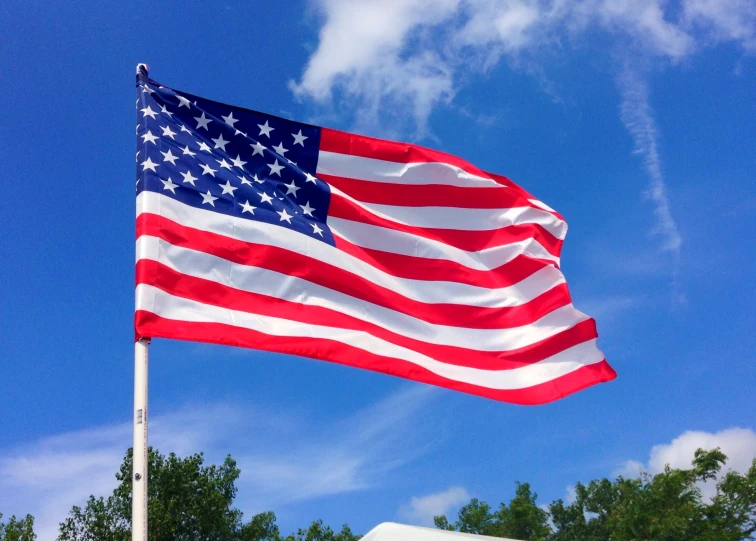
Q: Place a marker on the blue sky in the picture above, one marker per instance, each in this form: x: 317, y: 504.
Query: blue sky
x: 636, y: 120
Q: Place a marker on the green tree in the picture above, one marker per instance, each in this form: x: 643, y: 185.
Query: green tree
x: 318, y: 532
x: 521, y: 519
x: 665, y: 507
x: 187, y: 501
x: 17, y: 530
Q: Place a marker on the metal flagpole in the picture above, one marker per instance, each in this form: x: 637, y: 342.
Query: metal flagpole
x: 139, y: 472
x: 141, y: 417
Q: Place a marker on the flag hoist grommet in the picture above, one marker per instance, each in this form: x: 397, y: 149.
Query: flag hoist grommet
x: 261, y: 232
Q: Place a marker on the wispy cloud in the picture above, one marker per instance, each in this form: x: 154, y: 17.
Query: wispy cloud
x: 412, y: 55
x: 637, y: 115
x: 421, y: 509
x: 283, y: 457
x: 355, y: 453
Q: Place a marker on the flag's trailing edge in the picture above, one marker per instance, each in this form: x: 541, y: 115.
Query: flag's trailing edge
x: 259, y: 232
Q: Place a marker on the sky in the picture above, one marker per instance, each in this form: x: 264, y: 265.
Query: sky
x: 635, y: 119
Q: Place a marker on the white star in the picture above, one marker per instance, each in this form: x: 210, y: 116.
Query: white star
x: 223, y: 163
x: 168, y: 132
x: 284, y: 216
x: 316, y: 230
x: 169, y: 157
x: 258, y: 149
x: 148, y: 137
x: 237, y: 132
x: 169, y: 185
x: 299, y: 138
x: 149, y: 164
x: 275, y: 169
x: 147, y: 111
x: 265, y: 198
x: 280, y: 149
x: 291, y: 162
x: 137, y: 155
x: 207, y: 171
x: 187, y: 151
x: 254, y: 177
x: 208, y: 198
x: 310, y: 178
x: 244, y: 180
x: 165, y: 111
x: 238, y: 163
x: 292, y: 188
x: 220, y: 142
x: 265, y: 129
x: 202, y: 121
x: 189, y: 178
x: 230, y: 120
x: 185, y: 129
x: 246, y: 207
x: 307, y: 209
x: 184, y: 102
x: 147, y: 89
x: 203, y: 146
x: 228, y: 188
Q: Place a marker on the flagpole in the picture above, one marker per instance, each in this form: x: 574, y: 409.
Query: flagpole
x: 139, y: 474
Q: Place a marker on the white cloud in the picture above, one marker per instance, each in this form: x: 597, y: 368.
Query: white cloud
x: 380, y: 54
x: 723, y: 20
x: 283, y: 458
x: 638, y: 118
x: 739, y: 444
x: 353, y: 454
x: 637, y: 115
x: 421, y: 510
x: 362, y: 50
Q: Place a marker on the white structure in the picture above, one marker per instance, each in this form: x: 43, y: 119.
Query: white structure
x: 390, y: 531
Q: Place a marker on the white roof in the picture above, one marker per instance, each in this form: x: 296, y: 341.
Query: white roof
x: 391, y: 531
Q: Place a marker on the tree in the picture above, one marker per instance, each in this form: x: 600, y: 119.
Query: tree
x: 17, y: 530
x: 668, y: 506
x: 664, y: 507
x: 187, y: 501
x: 521, y: 519
x: 318, y: 532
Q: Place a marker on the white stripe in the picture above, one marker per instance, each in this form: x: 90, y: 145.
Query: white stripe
x: 465, y: 219
x: 419, y: 290
x: 416, y: 173
x: 561, y: 364
x: 399, y: 242
x: 290, y: 288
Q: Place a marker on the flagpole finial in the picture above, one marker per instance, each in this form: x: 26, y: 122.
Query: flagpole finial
x: 142, y: 70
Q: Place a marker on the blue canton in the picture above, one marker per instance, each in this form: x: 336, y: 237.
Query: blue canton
x: 230, y: 160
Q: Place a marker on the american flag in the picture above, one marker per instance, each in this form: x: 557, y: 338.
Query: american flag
x: 260, y: 232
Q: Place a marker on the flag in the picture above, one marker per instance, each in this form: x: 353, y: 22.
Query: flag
x: 260, y: 232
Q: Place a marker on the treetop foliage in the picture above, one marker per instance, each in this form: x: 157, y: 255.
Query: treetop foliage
x: 191, y: 501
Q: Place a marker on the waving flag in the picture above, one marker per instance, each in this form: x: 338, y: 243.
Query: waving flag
x: 260, y: 232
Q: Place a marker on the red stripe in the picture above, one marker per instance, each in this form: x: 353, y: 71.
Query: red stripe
x: 428, y: 195
x: 208, y: 292
x: 418, y: 268
x: 291, y: 263
x: 471, y: 241
x: 150, y: 325
x: 379, y: 149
